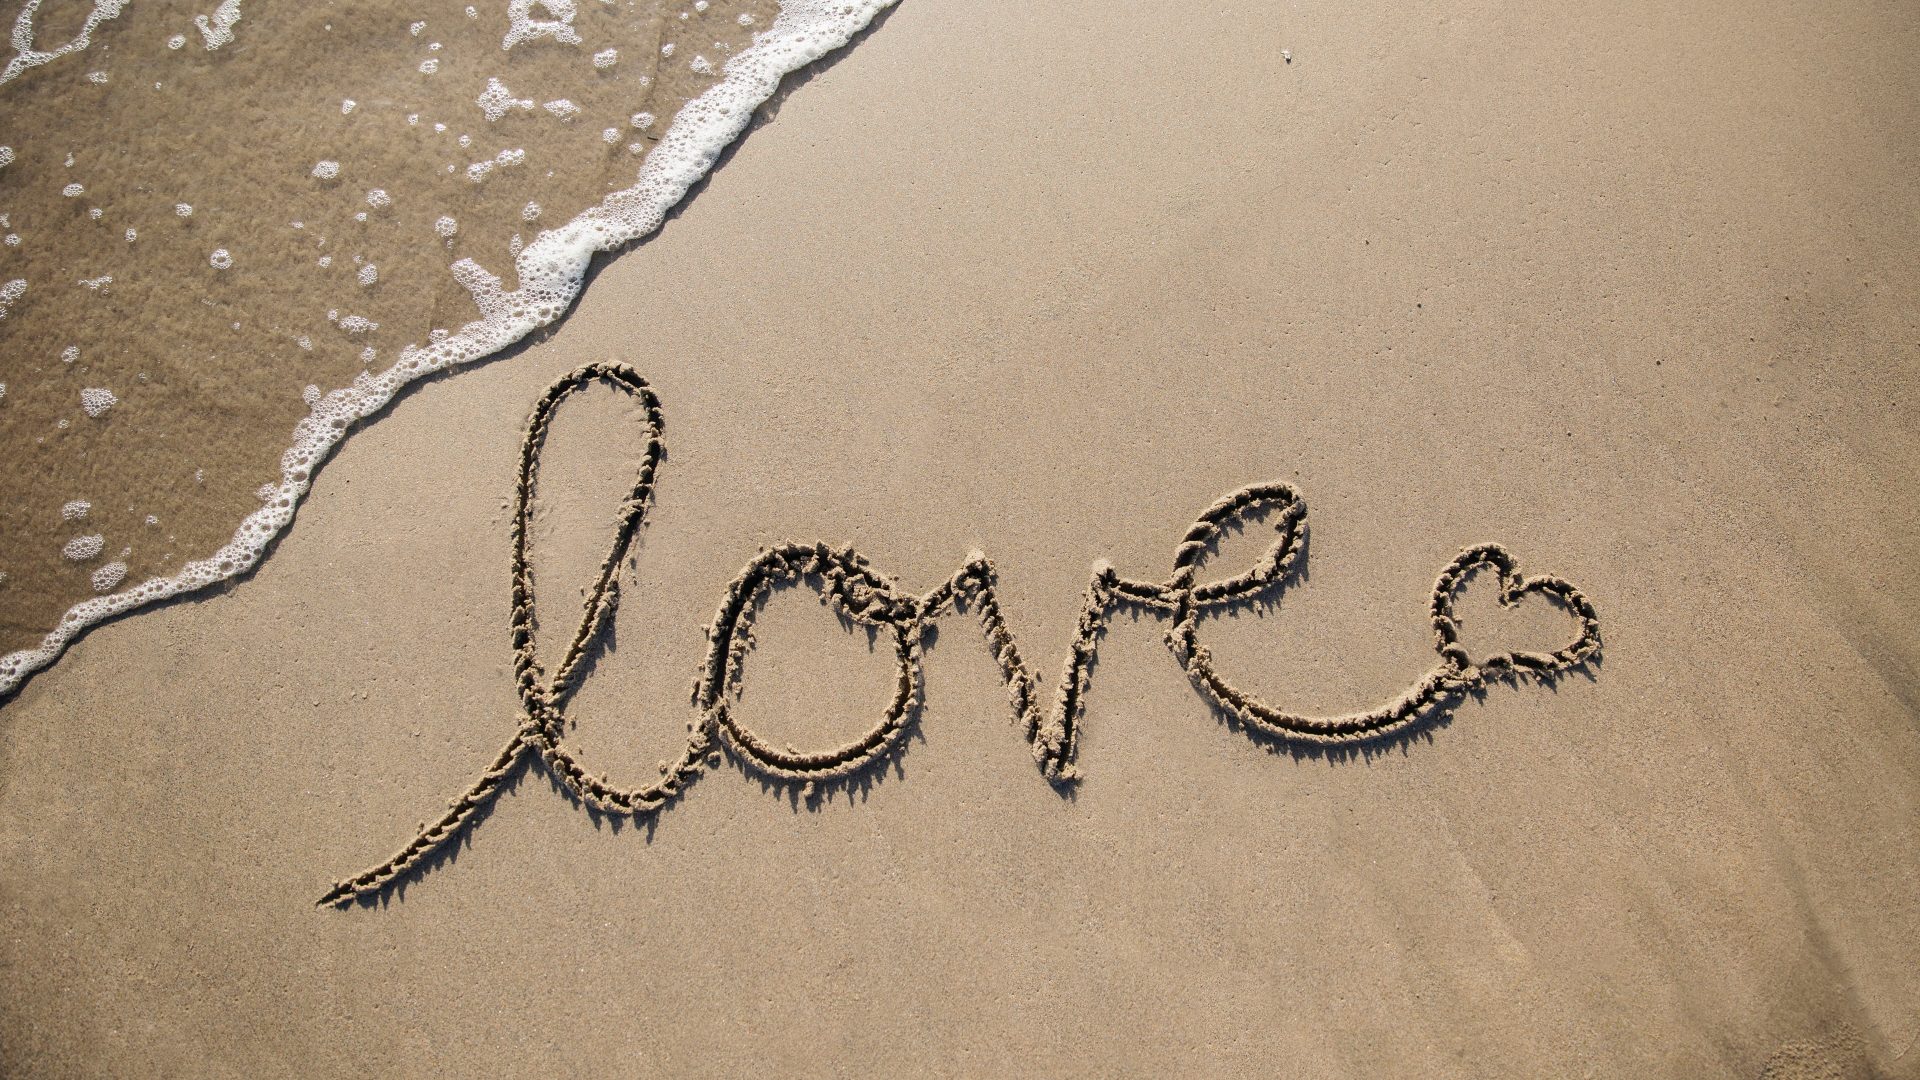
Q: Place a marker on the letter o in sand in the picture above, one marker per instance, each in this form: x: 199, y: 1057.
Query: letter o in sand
x: 844, y: 581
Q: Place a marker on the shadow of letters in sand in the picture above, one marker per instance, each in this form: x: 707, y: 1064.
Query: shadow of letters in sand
x: 863, y: 597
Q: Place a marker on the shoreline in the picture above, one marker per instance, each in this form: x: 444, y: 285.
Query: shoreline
x: 550, y: 273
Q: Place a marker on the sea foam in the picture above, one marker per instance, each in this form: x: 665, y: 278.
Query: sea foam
x: 551, y: 270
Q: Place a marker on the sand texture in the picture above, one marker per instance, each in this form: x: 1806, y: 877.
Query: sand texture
x: 1034, y: 330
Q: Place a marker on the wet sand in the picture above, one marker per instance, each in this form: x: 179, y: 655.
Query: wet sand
x: 1629, y: 293
x: 233, y: 285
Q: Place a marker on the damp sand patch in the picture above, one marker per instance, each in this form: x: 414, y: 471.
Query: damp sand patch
x: 244, y: 238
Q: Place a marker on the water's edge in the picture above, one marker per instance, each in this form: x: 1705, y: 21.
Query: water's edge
x: 551, y: 270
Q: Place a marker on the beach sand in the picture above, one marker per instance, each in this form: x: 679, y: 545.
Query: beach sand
x: 1630, y: 292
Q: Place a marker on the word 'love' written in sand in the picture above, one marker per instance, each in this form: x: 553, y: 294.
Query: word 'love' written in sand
x: 862, y: 596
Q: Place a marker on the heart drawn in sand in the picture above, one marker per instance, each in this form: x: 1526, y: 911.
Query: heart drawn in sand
x: 1514, y: 588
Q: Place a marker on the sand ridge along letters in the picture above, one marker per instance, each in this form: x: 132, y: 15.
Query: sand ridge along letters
x: 863, y: 597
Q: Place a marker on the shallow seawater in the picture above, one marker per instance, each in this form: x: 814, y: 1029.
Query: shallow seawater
x: 220, y: 219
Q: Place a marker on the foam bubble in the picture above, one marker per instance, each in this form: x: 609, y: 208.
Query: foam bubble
x: 176, y: 42
x: 183, y: 209
x: 73, y: 191
x: 96, y: 283
x: 82, y: 548
x: 496, y: 99
x: 701, y: 65
x: 108, y: 576
x: 218, y: 30
x: 642, y: 120
x: 75, y: 510
x: 221, y: 259
x: 326, y: 170
x: 429, y: 66
x: 379, y: 199
x: 70, y: 353
x: 560, y: 107
x: 530, y: 212
x: 347, y: 107
x: 132, y: 236
x: 368, y: 275
x: 358, y: 324
x: 606, y: 58
x: 11, y: 292
x: 522, y: 26
x: 96, y: 400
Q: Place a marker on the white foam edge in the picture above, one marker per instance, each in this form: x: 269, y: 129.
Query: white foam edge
x: 26, y: 56
x: 551, y: 269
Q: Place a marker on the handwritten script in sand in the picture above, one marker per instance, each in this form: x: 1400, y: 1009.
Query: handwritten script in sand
x: 864, y: 597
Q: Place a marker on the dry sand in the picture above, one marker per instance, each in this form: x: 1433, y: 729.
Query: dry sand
x: 1631, y: 293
